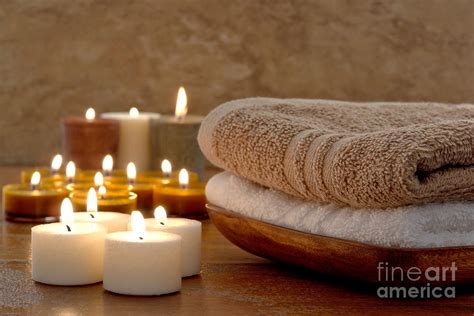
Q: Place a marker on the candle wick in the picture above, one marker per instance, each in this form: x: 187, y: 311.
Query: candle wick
x: 68, y: 228
x: 92, y: 215
x: 141, y: 238
x: 162, y: 223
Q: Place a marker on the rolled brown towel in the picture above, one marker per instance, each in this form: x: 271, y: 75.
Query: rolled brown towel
x: 360, y: 154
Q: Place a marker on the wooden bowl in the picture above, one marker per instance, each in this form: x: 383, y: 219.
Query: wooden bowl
x: 338, y: 257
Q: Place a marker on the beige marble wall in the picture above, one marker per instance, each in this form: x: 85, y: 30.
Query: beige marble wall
x: 57, y: 57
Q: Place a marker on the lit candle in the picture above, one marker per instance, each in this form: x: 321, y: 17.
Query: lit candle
x: 67, y: 253
x: 110, y: 201
x: 185, y: 198
x: 107, y: 165
x: 190, y: 232
x: 174, y: 137
x: 33, y: 202
x: 56, y: 164
x: 112, y: 221
x: 87, y: 139
x: 134, y: 137
x: 165, y: 176
x: 138, y: 262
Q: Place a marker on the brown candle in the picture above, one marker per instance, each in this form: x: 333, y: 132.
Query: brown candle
x: 87, y: 141
x: 187, y: 202
x: 120, y: 202
x: 24, y: 204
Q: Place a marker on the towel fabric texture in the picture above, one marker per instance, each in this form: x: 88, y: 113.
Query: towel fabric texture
x: 415, y: 226
x: 366, y: 155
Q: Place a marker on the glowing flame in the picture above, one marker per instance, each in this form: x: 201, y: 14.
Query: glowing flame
x: 181, y: 104
x: 160, y: 215
x: 183, y: 178
x: 66, y: 212
x: 138, y: 224
x: 166, y: 168
x: 91, y: 200
x: 35, y: 179
x: 134, y: 112
x: 98, y: 179
x: 102, y: 191
x: 70, y: 170
x: 131, y: 172
x: 90, y: 114
x: 56, y: 163
x: 107, y: 164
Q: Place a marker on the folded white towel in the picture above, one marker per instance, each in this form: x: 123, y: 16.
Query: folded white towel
x: 421, y: 226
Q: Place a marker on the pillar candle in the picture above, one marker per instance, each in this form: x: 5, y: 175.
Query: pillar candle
x: 134, y: 137
x: 112, y: 221
x: 86, y: 140
x: 32, y: 203
x: 138, y: 262
x: 174, y: 137
x: 190, y: 232
x: 67, y: 253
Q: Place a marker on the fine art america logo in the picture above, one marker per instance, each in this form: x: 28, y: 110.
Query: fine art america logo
x: 389, y: 274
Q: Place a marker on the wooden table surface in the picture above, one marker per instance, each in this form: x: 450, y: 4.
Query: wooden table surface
x: 232, y: 282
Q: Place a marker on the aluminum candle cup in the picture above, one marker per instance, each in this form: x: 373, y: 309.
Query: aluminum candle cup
x: 122, y: 202
x: 86, y: 142
x: 23, y: 204
x: 176, y: 140
x: 134, y: 137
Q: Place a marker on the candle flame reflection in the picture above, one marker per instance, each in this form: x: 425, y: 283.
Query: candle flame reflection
x: 92, y: 200
x: 138, y: 224
x: 56, y: 163
x: 181, y: 104
x: 90, y: 114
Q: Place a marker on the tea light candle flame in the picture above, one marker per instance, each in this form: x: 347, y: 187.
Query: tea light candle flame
x: 70, y: 171
x: 181, y: 104
x: 160, y: 215
x: 166, y: 168
x: 131, y: 172
x: 35, y: 180
x: 134, y: 112
x: 92, y: 202
x: 102, y: 191
x: 90, y: 114
x: 56, y: 163
x: 183, y: 179
x: 98, y: 179
x: 108, y: 165
x: 138, y: 224
x: 67, y: 217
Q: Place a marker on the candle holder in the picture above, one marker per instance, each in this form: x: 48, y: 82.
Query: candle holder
x: 158, y: 177
x: 27, y: 173
x: 189, y: 202
x: 41, y: 205
x: 121, y: 202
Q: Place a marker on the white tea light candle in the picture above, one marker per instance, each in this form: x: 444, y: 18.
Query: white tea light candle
x: 112, y: 221
x: 190, y: 232
x: 67, y: 253
x: 138, y: 262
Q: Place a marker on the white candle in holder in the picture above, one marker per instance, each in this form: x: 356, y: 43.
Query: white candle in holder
x: 112, y: 221
x: 190, y: 232
x: 134, y: 144
x: 67, y: 253
x: 138, y: 262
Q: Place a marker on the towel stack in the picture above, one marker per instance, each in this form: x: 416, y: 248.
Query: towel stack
x: 389, y: 174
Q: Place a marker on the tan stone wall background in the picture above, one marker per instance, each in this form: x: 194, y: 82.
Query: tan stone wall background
x: 57, y: 57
